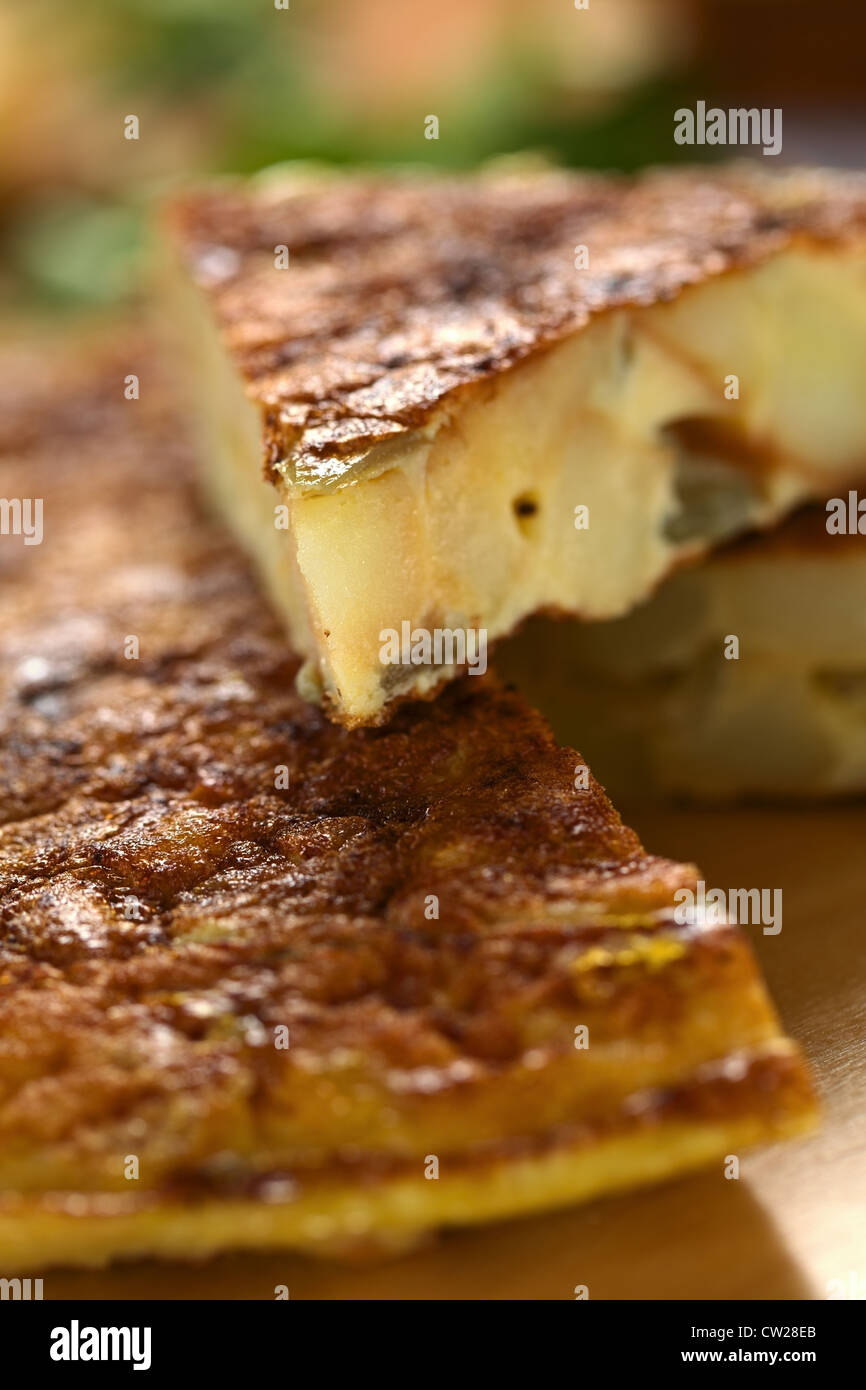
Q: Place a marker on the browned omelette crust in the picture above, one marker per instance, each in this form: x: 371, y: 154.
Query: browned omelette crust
x: 164, y: 908
x: 404, y: 291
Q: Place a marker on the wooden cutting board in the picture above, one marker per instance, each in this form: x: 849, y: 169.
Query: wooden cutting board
x: 795, y: 1222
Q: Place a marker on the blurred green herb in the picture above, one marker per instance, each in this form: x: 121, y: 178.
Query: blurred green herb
x: 213, y: 69
x: 76, y: 250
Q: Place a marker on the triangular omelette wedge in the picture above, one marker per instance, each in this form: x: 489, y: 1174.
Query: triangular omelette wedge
x: 482, y: 396
x: 268, y: 982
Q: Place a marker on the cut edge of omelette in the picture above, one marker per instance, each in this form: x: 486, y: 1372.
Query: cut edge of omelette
x: 728, y: 1106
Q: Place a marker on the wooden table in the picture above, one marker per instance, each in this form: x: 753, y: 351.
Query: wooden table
x: 795, y: 1221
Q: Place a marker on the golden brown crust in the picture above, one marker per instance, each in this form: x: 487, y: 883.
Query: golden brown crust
x: 770, y: 1081
x: 404, y: 291
x: 165, y: 907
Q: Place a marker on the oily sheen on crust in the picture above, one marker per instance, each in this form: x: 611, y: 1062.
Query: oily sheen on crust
x: 166, y: 907
x: 403, y: 293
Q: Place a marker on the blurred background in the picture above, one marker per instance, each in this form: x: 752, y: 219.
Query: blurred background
x: 231, y: 85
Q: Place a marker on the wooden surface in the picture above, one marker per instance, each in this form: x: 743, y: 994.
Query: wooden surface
x: 796, y: 1219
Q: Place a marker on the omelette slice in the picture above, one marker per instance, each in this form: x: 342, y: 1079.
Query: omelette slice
x: 268, y: 982
x: 479, y: 397
x: 665, y: 703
